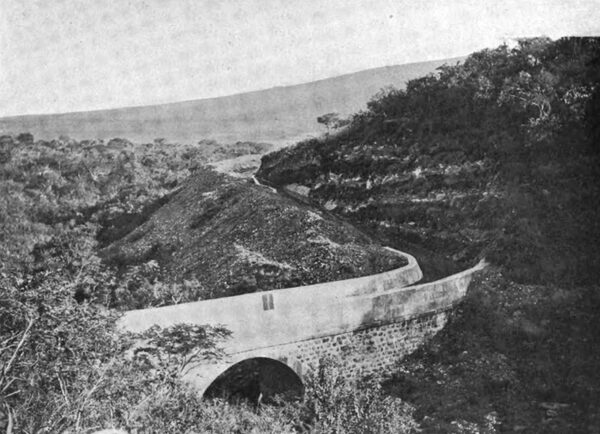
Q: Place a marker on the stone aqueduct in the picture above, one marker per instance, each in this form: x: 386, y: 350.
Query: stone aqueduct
x: 368, y: 323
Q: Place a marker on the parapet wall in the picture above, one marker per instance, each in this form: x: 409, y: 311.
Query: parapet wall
x: 369, y: 322
x: 368, y: 332
x: 256, y: 313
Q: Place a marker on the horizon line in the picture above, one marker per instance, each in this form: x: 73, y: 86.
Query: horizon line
x: 126, y: 107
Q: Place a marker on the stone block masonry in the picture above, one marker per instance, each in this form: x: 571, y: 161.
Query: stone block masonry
x: 371, y: 350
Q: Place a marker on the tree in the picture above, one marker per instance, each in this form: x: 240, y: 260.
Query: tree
x: 332, y: 121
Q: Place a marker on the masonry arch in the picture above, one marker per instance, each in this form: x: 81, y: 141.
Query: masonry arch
x: 257, y: 379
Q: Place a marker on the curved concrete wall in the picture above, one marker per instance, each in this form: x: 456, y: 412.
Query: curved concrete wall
x: 367, y: 332
x: 277, y: 316
x: 273, y: 318
x: 369, y: 321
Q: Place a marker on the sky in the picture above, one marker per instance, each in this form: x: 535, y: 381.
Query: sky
x: 75, y: 55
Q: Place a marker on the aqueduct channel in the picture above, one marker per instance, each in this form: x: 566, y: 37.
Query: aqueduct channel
x: 368, y: 323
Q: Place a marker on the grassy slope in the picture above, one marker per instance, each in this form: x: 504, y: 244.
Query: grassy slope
x: 276, y: 115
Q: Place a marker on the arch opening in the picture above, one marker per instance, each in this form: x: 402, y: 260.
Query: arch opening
x: 258, y: 380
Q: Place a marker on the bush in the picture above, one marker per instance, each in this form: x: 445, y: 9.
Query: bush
x: 64, y: 367
x: 335, y: 404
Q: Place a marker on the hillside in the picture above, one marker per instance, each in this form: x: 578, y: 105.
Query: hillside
x: 496, y: 157
x: 170, y: 230
x: 235, y: 237
x: 277, y: 115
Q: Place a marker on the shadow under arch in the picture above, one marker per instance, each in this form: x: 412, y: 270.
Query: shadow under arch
x: 257, y: 379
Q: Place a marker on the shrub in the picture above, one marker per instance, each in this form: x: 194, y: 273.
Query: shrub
x: 335, y: 404
x: 63, y: 365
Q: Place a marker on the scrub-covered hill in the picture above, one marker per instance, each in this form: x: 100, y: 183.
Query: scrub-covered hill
x: 234, y: 237
x: 497, y: 156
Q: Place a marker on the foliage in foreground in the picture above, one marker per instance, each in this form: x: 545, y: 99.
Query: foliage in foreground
x: 331, y: 404
x: 64, y: 369
x: 337, y: 405
x: 63, y: 366
x: 522, y: 356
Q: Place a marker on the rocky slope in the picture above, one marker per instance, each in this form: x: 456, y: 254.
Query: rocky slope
x: 395, y: 195
x: 234, y: 237
x: 496, y: 157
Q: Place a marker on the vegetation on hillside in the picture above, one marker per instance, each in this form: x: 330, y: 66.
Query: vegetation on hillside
x: 61, y: 200
x: 217, y: 234
x: 63, y: 368
x: 523, y: 356
x: 495, y: 157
